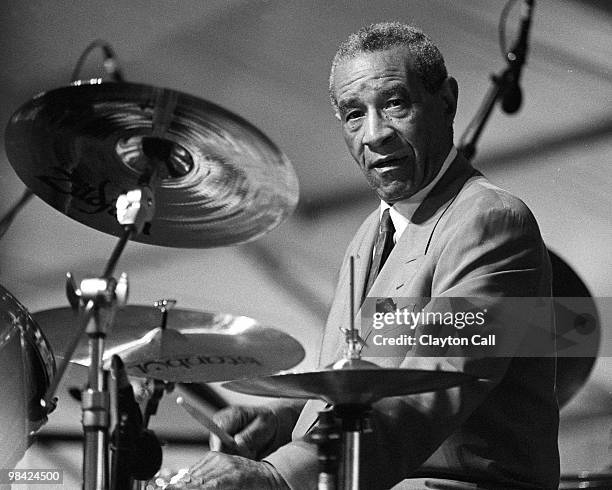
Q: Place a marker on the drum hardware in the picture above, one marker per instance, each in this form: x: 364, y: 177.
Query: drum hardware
x: 134, y: 210
x: 220, y: 181
x: 351, y: 385
x: 171, y: 170
x: 92, y: 296
x: 219, y: 339
x: 587, y: 479
x: 195, y: 346
x: 326, y: 435
x: 150, y: 407
x: 352, y: 389
x: 10, y: 215
x: 27, y: 367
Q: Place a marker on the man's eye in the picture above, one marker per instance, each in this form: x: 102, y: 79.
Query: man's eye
x: 393, y: 103
x: 349, y: 116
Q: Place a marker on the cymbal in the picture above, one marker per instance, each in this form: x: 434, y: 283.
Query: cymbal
x: 222, y: 181
x: 573, y: 372
x: 363, y: 386
x: 194, y: 347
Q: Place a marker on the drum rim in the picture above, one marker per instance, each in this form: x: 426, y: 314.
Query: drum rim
x: 33, y: 334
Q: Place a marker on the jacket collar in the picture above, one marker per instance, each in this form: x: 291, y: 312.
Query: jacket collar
x: 415, y: 242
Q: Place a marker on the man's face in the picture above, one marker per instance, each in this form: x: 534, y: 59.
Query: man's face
x: 398, y: 133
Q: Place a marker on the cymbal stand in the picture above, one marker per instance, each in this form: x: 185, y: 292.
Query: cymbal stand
x: 354, y: 419
x: 353, y: 416
x: 134, y: 210
x: 354, y: 342
x: 326, y: 436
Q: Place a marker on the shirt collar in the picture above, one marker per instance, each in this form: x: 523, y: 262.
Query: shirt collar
x: 402, y: 211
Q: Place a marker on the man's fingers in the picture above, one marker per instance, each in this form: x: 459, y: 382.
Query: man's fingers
x: 253, y: 428
x: 232, y: 419
x: 256, y: 435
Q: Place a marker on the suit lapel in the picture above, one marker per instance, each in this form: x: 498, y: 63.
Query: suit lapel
x: 363, y: 258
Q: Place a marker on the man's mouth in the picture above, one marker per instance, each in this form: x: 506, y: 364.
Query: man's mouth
x: 386, y: 164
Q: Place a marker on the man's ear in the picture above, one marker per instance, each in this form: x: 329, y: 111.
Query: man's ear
x: 450, y: 92
x: 337, y: 115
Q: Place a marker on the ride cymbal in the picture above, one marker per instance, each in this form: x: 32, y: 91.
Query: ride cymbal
x: 194, y: 346
x: 363, y: 386
x: 221, y: 181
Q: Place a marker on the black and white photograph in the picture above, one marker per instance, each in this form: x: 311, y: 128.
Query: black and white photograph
x: 306, y: 244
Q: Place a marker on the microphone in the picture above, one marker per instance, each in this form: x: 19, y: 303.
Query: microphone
x: 137, y: 452
x: 513, y: 96
x: 126, y: 403
x: 111, y: 65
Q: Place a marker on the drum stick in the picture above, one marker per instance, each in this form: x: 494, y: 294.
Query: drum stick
x: 207, y: 422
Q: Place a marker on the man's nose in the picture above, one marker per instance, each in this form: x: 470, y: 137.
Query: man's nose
x: 378, y: 131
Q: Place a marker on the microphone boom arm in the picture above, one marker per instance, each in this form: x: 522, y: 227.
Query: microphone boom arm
x: 504, y: 87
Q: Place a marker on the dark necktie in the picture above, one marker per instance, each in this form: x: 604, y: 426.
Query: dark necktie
x: 382, y: 247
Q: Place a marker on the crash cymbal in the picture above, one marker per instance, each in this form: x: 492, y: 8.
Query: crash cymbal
x: 222, y: 181
x: 194, y: 347
x: 363, y: 386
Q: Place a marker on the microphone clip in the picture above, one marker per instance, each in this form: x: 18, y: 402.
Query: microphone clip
x: 511, y: 93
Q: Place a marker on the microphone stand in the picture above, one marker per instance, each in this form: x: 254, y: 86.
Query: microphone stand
x: 501, y: 85
x: 467, y: 143
x: 10, y: 215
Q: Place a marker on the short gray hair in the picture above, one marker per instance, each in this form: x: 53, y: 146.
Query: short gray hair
x: 428, y: 61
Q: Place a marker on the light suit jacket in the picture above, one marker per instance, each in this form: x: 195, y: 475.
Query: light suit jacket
x: 468, y: 239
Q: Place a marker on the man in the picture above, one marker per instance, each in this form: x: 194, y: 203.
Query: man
x: 455, y: 235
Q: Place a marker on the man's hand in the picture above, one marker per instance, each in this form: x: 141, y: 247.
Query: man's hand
x: 253, y: 428
x: 220, y: 471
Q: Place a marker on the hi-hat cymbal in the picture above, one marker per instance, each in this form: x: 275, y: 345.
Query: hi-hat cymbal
x: 363, y: 386
x: 222, y: 180
x: 194, y: 347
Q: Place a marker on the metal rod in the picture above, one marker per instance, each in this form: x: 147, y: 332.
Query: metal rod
x: 48, y: 399
x: 96, y: 420
x: 10, y: 215
x: 87, y: 313
x: 119, y: 247
x: 469, y: 139
x: 351, y: 292
x: 96, y: 415
x: 326, y: 481
x: 351, y: 450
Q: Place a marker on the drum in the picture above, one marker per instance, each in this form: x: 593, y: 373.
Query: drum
x: 27, y: 366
